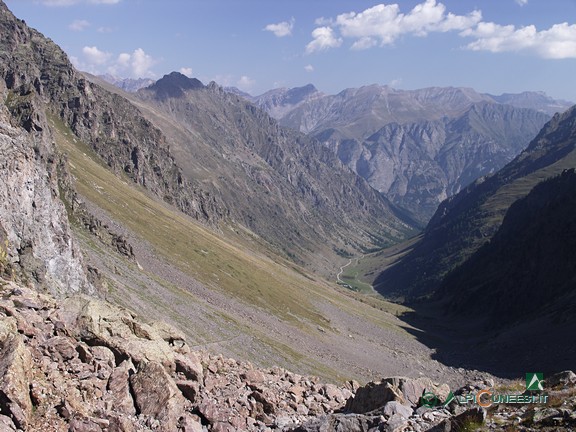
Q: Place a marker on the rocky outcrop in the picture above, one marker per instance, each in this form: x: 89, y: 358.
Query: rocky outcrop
x: 37, y: 245
x: 85, y: 365
x: 41, y: 80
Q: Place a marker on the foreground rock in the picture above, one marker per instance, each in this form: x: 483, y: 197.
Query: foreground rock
x: 85, y: 365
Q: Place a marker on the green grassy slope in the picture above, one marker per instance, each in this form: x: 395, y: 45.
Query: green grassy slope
x: 246, y: 287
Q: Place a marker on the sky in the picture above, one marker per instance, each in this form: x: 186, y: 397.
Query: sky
x: 493, y: 46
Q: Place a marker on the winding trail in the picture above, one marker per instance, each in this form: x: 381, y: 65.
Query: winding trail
x: 342, y: 271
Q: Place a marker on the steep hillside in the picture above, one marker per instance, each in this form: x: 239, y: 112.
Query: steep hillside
x: 468, y: 220
x: 34, y: 67
x: 415, y: 147
x: 281, y: 185
x: 527, y: 268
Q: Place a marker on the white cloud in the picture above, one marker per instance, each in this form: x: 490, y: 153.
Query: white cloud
x: 395, y: 82
x: 309, y: 68
x: 281, y: 29
x: 135, y: 65
x: 324, y: 39
x: 94, y: 56
x: 558, y: 42
x: 522, y: 2
x: 384, y: 23
x: 79, y: 25
x: 245, y: 83
x: 186, y: 71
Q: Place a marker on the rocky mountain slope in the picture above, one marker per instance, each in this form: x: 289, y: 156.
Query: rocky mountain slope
x: 470, y: 219
x: 92, y: 200
x: 492, y: 271
x: 265, y: 172
x: 415, y: 147
x: 85, y: 365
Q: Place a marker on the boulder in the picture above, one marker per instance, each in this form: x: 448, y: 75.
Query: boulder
x: 119, y: 388
x: 372, y: 396
x: 157, y: 395
x: 15, y: 370
x: 564, y: 379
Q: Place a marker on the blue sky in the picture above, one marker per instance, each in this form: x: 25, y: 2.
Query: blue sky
x: 493, y: 46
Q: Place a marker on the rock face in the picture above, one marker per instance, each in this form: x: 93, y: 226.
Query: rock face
x: 415, y: 147
x: 36, y: 242
x: 41, y: 81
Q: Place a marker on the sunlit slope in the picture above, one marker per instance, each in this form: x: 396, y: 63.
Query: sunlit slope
x: 265, y: 308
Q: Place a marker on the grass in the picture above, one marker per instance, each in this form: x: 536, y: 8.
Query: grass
x: 216, y: 262
x: 236, y: 265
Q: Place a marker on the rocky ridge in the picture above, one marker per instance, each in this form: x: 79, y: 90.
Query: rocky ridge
x: 415, y: 147
x: 37, y: 245
x: 41, y: 82
x: 85, y: 365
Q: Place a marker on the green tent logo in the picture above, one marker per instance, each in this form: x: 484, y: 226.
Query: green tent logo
x: 534, y: 381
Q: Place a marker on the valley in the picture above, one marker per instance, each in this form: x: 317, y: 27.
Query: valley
x: 182, y: 256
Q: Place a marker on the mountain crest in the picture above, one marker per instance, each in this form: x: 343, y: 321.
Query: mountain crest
x: 174, y: 84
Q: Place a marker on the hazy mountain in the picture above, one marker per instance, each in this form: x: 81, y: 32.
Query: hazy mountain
x: 127, y: 84
x: 538, y: 101
x: 468, y: 220
x: 415, y: 147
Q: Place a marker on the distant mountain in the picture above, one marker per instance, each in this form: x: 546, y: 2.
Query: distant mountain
x: 127, y: 84
x: 285, y: 187
x: 469, y: 220
x: 415, y: 147
x: 279, y: 102
x: 538, y: 101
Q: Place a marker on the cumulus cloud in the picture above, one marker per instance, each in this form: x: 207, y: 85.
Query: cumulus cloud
x: 522, y: 2
x: 557, y: 42
x: 323, y: 39
x: 186, y: 71
x: 309, y: 68
x: 384, y: 23
x: 245, y: 83
x: 281, y: 29
x: 137, y: 64
x: 79, y: 25
x: 95, y: 56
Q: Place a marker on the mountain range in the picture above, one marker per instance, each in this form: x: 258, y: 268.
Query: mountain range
x: 187, y: 203
x: 416, y: 147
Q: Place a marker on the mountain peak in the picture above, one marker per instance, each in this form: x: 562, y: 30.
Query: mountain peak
x: 174, y: 84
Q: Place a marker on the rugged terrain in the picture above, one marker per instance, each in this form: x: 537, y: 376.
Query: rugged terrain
x: 85, y: 365
x: 416, y: 147
x: 494, y: 269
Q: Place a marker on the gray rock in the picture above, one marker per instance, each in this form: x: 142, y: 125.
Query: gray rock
x: 157, y: 395
x: 565, y: 378
x: 396, y: 408
x: 373, y: 396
